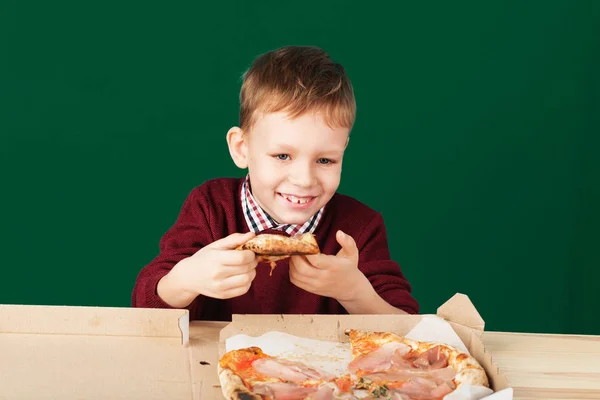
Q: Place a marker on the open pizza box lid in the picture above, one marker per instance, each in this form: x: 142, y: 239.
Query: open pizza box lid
x: 60, y: 352
x: 457, y: 322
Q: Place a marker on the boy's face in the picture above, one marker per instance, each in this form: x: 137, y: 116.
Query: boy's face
x: 294, y: 165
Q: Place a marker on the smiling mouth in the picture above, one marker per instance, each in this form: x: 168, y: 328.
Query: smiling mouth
x: 296, y: 199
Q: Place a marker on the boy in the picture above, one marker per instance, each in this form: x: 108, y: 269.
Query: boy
x: 297, y: 110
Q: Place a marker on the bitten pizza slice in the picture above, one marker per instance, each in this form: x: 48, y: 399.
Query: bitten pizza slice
x: 273, y: 247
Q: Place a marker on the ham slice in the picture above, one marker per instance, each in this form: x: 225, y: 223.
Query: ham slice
x: 443, y: 389
x: 430, y: 388
x: 380, y: 359
x: 399, y: 396
x: 424, y: 390
x: 433, y: 358
x: 402, y: 375
x: 323, y: 393
x: 422, y: 376
x: 288, y: 370
x: 290, y: 391
x: 283, y: 391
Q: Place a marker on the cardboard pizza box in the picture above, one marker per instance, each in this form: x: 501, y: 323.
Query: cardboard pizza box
x: 68, y: 352
x: 56, y: 352
x: 458, y: 315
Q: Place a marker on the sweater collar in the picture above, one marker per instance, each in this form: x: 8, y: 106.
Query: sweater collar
x: 258, y: 220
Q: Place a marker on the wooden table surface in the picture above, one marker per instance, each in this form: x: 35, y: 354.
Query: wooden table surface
x: 537, y: 366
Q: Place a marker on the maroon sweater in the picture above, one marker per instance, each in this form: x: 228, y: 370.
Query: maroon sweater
x: 213, y: 211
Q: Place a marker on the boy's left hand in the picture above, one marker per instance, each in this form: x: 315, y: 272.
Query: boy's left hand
x: 336, y: 276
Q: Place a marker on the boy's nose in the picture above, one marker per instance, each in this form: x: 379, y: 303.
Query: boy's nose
x: 302, y: 176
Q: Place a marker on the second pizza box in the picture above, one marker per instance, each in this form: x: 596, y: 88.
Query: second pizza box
x: 320, y: 339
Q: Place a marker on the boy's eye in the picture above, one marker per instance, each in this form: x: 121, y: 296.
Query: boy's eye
x: 282, y: 157
x: 324, y: 161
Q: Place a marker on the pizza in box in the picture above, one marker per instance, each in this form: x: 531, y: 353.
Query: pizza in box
x: 383, y: 366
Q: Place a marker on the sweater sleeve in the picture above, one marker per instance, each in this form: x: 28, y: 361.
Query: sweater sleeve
x: 384, y: 274
x: 189, y: 233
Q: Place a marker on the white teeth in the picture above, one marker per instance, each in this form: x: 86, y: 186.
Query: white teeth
x: 297, y: 200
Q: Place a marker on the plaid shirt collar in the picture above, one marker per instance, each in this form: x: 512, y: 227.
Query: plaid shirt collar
x: 258, y: 220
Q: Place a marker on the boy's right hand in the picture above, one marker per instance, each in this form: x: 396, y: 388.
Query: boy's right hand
x: 218, y: 270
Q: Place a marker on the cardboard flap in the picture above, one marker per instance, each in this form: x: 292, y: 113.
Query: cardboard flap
x: 460, y: 310
x: 104, y: 321
x: 95, y: 353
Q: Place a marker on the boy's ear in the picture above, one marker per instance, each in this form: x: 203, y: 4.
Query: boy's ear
x: 237, y: 147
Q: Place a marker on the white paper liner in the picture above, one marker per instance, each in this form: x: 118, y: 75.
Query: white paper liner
x: 333, y: 357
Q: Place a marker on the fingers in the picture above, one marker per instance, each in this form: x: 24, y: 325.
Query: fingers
x: 236, y: 257
x: 349, y: 249
x: 232, y: 241
x: 236, y: 285
x: 300, y: 280
x: 299, y: 265
x: 225, y: 250
x: 304, y: 275
x: 321, y: 261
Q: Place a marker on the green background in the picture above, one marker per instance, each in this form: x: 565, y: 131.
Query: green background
x: 477, y: 138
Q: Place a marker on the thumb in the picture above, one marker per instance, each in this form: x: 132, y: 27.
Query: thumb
x: 349, y: 249
x: 232, y: 241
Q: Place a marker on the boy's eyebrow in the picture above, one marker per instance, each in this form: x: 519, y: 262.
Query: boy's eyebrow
x: 288, y: 148
x: 331, y: 153
x: 279, y: 147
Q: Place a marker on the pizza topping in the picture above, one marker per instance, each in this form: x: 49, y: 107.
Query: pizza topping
x: 291, y: 391
x: 411, y: 383
x: 344, y: 383
x: 419, y: 388
x: 443, y: 389
x: 283, y: 390
x: 399, y: 396
x: 241, y: 361
x: 288, y: 370
x: 402, y: 375
x: 379, y: 359
x: 324, y: 392
x: 433, y: 358
x: 379, y: 391
x: 418, y: 376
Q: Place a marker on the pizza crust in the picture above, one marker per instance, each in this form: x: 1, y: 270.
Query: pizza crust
x: 472, y: 375
x: 232, y: 386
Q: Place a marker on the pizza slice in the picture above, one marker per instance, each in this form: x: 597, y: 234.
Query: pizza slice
x: 273, y: 247
x: 250, y: 374
x: 391, y: 366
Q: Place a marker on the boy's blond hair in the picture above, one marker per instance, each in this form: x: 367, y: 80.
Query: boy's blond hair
x: 297, y: 79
